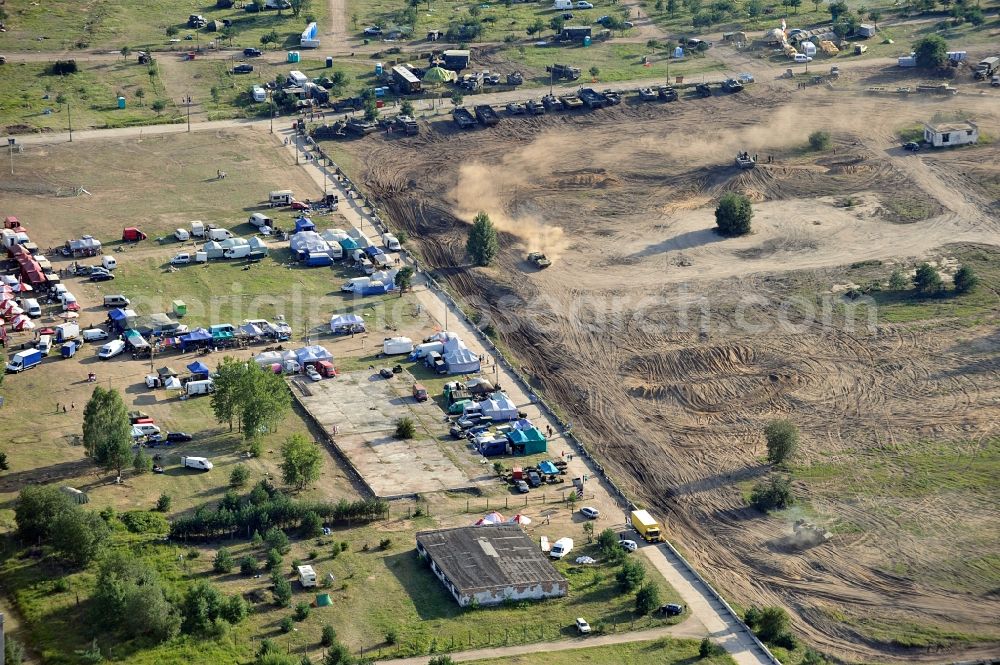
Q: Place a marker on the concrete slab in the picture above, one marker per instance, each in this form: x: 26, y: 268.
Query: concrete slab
x: 358, y: 411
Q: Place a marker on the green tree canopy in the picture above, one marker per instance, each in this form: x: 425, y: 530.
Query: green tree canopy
x: 37, y: 508
x: 631, y: 575
x: 733, y: 215
x: 647, y: 599
x: 927, y: 280
x: 301, y: 461
x: 483, y: 244
x: 404, y: 278
x: 107, y: 430
x: 79, y: 535
x: 931, y: 52
x: 255, y: 398
x: 782, y: 439
x: 965, y: 279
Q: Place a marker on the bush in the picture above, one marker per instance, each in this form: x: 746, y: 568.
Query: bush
x: 287, y: 625
x: 708, y: 649
x: 248, y: 566
x: 223, y: 562
x: 927, y: 280
x: 344, y: 546
x: 405, y: 428
x: 733, y: 215
x: 13, y: 651
x: 312, y: 525
x: 648, y: 599
x: 385, y: 544
x: 328, y: 636
x: 60, y: 585
x: 163, y: 503
x: 302, y: 611
x: 282, y: 590
x: 391, y: 636
x: 897, y: 280
x: 772, y: 624
x: 931, y: 52
x: 966, y: 280
x: 631, y: 575
x: 37, y: 507
x: 144, y: 521
x: 239, y: 476
x: 277, y: 540
x: 273, y: 560
x: 819, y: 140
x: 61, y: 67
x: 773, y: 494
x: 782, y: 439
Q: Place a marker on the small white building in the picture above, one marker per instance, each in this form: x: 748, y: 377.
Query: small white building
x: 947, y: 134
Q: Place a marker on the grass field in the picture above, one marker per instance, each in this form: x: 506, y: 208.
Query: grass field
x: 112, y: 24
x: 92, y: 94
x: 657, y: 652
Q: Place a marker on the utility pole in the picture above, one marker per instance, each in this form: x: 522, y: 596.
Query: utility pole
x: 10, y: 146
x: 189, y: 112
x: 69, y: 113
x: 271, y: 93
x: 296, y: 147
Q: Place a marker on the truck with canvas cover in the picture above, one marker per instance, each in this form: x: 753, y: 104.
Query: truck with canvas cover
x: 986, y: 68
x: 486, y: 115
x: 647, y: 527
x: 559, y: 72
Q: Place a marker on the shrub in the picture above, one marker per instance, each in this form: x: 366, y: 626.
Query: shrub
x: 61, y: 67
x: 223, y: 562
x: 966, y: 280
x: 782, y: 439
x: 248, y: 565
x: 772, y: 624
x: 312, y: 525
x: 927, y: 280
x: 277, y: 540
x: 773, y: 494
x: 631, y: 575
x: 648, y: 599
x: 144, y: 521
x: 708, y: 649
x: 239, y: 476
x: 344, y: 546
x: 61, y: 585
x: 819, y: 140
x: 302, y: 611
x: 13, y: 651
x: 287, y: 625
x: 405, y: 428
x: 163, y: 503
x: 313, y: 554
x: 391, y: 636
x: 328, y: 636
x: 385, y: 544
x: 897, y: 280
x: 273, y: 560
x: 733, y: 215
x: 282, y: 590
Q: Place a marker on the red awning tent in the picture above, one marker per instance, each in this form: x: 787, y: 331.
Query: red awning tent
x: 31, y: 272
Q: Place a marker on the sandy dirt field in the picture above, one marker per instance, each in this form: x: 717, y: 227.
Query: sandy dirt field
x: 669, y: 348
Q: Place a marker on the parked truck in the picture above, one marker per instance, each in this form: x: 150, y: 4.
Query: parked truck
x: 67, y: 331
x: 647, y: 527
x: 986, y: 68
x: 486, y: 115
x: 23, y: 360
x: 463, y: 118
x: 559, y: 72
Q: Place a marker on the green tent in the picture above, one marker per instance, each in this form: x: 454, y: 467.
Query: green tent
x: 527, y: 441
x: 439, y: 75
x: 323, y: 600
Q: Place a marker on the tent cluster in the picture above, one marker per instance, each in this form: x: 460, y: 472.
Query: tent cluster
x: 296, y: 360
x: 446, y: 353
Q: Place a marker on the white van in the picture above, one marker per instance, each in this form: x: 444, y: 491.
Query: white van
x: 219, y: 235
x: 32, y: 307
x: 145, y: 429
x: 59, y: 289
x: 258, y: 219
x: 44, y: 344
x: 111, y: 349
x: 116, y: 301
x: 391, y: 242
x: 281, y: 197
x: 561, y: 548
x: 94, y: 335
x: 68, y: 299
x: 356, y: 284
x: 199, y: 463
x: 198, y: 229
x: 802, y: 57
x: 109, y: 262
x: 238, y: 252
x: 199, y: 387
x: 182, y: 235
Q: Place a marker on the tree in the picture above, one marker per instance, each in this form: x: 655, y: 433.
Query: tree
x: 107, y: 430
x: 405, y: 428
x: 254, y: 398
x: 312, y: 525
x: 79, y: 535
x: 782, y: 439
x: 302, y: 461
x: 631, y: 575
x: 595, y: 71
x: 819, y: 140
x: 298, y: 6
x: 158, y: 105
x: 406, y: 107
x: 371, y: 109
x: 125, y: 51
x: 172, y: 30
x: 128, y: 598
x: 223, y: 562
x: 772, y: 624
x: 277, y: 540
x: 838, y: 9
x: 239, y: 475
x: 708, y: 649
x: 755, y: 8
x: 607, y: 540
x: 163, y: 503
x: 328, y: 636
x: 965, y: 279
x: 557, y: 23
x: 483, y: 244
x: 282, y: 589
x: 931, y: 52
x: 404, y: 279
x: 338, y: 654
x: 37, y: 508
x: 457, y: 97
x: 733, y: 215
x: 647, y: 599
x: 142, y: 463
x: 897, y: 280
x: 139, y: 94
x: 671, y: 7
x: 248, y: 565
x: 812, y: 657
x: 772, y: 494
x: 874, y: 15
x: 927, y: 280
x: 588, y: 530
x: 535, y: 27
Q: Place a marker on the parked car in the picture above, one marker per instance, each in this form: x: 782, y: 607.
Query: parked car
x: 313, y: 374
x: 671, y: 610
x: 101, y: 276
x: 522, y: 487
x: 178, y: 437
x: 373, y: 31
x: 590, y: 513
x: 630, y: 545
x: 912, y: 146
x: 300, y: 205
x: 582, y: 4
x: 94, y: 335
x: 419, y: 392
x: 534, y: 479
x: 180, y: 259
x: 567, y: 16
x: 243, y: 68
x: 385, y: 373
x: 582, y: 626
x: 252, y: 52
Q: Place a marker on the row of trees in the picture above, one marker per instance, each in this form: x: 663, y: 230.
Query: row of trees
x: 266, y: 507
x: 631, y: 577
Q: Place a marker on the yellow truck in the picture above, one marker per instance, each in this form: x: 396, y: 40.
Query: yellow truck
x: 647, y: 527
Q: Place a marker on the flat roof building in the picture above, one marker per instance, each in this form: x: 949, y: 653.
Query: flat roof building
x: 951, y: 133
x: 490, y: 564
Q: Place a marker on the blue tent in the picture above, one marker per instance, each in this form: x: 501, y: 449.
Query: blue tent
x: 198, y: 367
x: 373, y: 251
x: 304, y: 224
x: 196, y: 337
